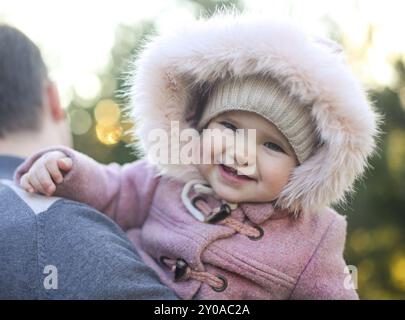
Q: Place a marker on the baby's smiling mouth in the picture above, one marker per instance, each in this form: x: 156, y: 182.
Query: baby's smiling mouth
x: 232, y: 174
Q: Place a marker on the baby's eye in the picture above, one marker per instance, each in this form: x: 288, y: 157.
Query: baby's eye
x: 228, y: 125
x: 274, y: 147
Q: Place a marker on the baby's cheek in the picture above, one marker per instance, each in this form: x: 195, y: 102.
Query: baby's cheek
x: 206, y: 150
x: 212, y: 149
x: 275, y: 179
x: 204, y: 170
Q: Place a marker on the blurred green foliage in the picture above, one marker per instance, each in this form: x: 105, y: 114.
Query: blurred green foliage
x: 376, y: 213
x: 376, y: 220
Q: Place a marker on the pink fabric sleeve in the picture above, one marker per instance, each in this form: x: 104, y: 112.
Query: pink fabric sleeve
x: 124, y: 193
x: 325, y: 276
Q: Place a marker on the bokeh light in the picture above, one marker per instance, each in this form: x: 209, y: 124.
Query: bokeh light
x: 107, y: 113
x: 87, y: 87
x: 397, y: 268
x: 396, y: 152
x: 80, y: 121
x: 109, y: 135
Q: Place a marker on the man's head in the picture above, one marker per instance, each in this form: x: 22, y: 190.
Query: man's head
x: 29, y: 101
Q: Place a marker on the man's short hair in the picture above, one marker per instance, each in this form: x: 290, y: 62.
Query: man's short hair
x: 22, y: 75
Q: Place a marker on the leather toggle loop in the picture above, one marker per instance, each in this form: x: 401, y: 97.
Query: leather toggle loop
x: 224, y: 284
x: 224, y: 212
x: 259, y: 236
x: 180, y: 270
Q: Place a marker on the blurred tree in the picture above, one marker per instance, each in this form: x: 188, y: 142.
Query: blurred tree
x: 376, y: 242
x: 108, y: 143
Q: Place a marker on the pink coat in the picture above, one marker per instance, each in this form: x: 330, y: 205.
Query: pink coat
x: 296, y: 258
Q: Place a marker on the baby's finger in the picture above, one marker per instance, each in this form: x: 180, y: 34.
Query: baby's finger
x: 35, y: 183
x: 25, y: 184
x: 45, y: 181
x: 54, y: 171
x: 65, y: 164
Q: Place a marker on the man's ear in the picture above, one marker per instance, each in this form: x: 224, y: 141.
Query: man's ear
x: 54, y: 105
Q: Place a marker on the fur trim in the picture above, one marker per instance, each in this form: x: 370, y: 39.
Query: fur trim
x: 173, y: 67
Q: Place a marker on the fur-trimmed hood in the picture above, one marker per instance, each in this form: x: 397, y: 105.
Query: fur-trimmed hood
x: 173, y: 67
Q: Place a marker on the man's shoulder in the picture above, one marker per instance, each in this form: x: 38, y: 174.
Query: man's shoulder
x: 11, y: 194
x: 13, y: 197
x: 38, y: 213
x: 87, y: 252
x: 19, y: 240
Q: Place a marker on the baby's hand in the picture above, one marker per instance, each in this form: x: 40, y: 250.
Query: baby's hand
x: 45, y: 173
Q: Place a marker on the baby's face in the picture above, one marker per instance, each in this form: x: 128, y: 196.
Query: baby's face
x: 255, y: 176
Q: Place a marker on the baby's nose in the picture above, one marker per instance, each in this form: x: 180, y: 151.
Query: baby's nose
x: 241, y: 159
x: 245, y: 152
x: 245, y: 163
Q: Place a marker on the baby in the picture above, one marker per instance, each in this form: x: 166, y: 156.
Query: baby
x: 258, y: 225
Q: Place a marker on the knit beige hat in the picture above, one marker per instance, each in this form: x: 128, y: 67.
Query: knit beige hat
x: 268, y: 99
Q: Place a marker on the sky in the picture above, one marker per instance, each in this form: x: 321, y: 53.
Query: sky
x: 76, y: 36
